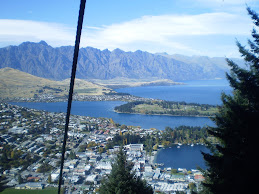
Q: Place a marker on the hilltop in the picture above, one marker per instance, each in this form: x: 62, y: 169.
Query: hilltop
x: 15, y: 83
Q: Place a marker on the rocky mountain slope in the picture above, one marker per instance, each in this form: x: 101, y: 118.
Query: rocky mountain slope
x: 40, y: 59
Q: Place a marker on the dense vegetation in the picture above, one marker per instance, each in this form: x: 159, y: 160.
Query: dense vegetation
x: 44, y: 168
x: 168, y: 108
x: 230, y: 162
x: 185, y: 135
x: 181, y: 134
x: 13, y: 158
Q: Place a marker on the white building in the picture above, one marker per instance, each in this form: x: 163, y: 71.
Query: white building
x: 55, y: 175
x: 135, y: 147
x: 104, y: 166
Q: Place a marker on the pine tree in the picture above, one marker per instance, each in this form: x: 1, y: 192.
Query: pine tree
x: 232, y: 164
x: 122, y: 180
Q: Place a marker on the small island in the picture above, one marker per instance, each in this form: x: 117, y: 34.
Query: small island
x: 161, y: 107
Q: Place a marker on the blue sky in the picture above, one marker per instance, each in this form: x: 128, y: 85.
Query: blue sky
x: 188, y: 27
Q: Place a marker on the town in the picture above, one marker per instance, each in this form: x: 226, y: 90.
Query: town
x: 54, y: 98
x: 30, y: 152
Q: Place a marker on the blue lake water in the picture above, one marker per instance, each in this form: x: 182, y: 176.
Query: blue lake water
x: 184, y: 157
x: 204, y: 91
x: 105, y: 109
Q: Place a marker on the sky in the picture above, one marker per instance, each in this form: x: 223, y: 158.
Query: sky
x: 187, y: 27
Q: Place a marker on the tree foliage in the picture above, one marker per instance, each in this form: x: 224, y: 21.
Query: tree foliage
x: 122, y: 180
x: 11, y: 157
x: 185, y: 135
x: 232, y: 162
x: 45, y: 168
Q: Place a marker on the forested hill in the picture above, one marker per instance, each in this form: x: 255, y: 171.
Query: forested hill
x: 42, y: 60
x: 168, y: 108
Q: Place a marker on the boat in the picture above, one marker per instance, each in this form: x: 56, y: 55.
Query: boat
x: 192, y: 144
x: 178, y: 146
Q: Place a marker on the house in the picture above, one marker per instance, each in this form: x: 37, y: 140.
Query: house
x: 33, y: 179
x: 148, y: 175
x: 104, y: 166
x: 198, y: 177
x: 156, y: 176
x: 18, y: 130
x: 148, y: 168
x: 165, y: 187
x: 55, y: 175
x: 81, y: 154
x: 12, y: 183
x: 21, y: 186
x: 75, y: 179
x: 79, y: 172
x: 178, y: 177
x: 91, y: 178
x: 136, y: 166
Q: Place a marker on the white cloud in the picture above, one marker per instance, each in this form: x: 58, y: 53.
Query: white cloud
x: 164, y: 31
x: 149, y: 33
x: 17, y: 31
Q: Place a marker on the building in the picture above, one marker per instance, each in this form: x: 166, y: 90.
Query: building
x: 136, y: 147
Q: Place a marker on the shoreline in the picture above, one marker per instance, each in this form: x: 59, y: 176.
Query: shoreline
x: 154, y: 156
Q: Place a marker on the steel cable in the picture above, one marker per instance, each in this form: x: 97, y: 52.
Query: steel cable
x: 71, y: 90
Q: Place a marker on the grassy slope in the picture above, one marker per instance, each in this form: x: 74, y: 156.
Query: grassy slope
x: 27, y: 191
x: 156, y: 109
x: 14, y: 83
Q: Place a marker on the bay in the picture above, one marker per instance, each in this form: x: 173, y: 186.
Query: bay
x: 106, y: 109
x: 198, y: 91
x: 186, y: 156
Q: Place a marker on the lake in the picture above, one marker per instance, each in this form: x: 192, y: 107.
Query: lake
x: 203, y: 91
x: 105, y: 109
x: 184, y: 157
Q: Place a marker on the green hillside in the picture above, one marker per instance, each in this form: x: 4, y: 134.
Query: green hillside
x: 15, y: 83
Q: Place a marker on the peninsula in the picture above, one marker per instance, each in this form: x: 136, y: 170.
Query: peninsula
x: 160, y: 107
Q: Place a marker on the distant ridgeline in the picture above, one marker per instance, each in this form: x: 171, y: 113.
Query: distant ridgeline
x: 168, y: 108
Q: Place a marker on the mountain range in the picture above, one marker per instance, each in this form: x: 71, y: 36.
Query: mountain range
x: 42, y: 60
